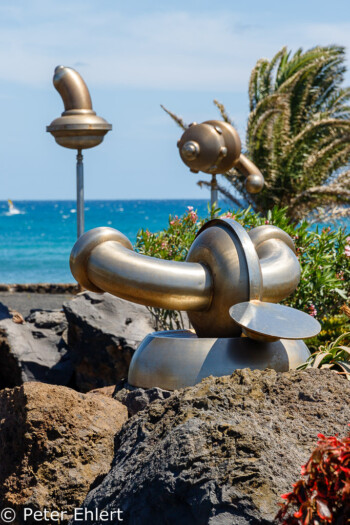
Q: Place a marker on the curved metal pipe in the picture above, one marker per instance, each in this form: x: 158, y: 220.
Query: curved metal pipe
x: 254, y: 178
x: 103, y: 260
x: 280, y: 267
x: 246, y: 166
x: 78, y: 127
x: 72, y: 88
x: 225, y: 266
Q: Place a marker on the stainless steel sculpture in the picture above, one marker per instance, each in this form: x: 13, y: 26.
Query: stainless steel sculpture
x: 214, y: 147
x: 78, y: 127
x: 228, y: 285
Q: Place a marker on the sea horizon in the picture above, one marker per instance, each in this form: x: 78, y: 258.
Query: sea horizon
x: 37, y: 237
x: 36, y: 240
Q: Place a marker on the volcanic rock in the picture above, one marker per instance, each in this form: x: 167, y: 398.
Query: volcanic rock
x: 104, y: 391
x: 221, y: 452
x: 55, y: 445
x: 35, y: 350
x: 103, y: 333
x: 136, y: 399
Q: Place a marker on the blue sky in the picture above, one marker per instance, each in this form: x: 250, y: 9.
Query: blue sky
x: 135, y: 56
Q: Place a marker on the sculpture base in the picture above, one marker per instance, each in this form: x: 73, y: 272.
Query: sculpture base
x: 178, y: 358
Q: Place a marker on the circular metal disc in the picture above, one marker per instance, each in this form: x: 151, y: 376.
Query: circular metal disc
x: 274, y: 320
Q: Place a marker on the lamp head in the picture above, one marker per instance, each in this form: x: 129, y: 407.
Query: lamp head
x: 78, y: 127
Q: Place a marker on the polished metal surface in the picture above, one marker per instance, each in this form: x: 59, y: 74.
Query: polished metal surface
x: 225, y: 248
x: 178, y: 359
x: 222, y: 284
x: 223, y: 268
x: 279, y: 264
x: 80, y: 195
x: 213, y: 192
x: 103, y: 260
x: 263, y: 321
x: 212, y: 147
x: 215, y: 147
x: 78, y: 127
x: 254, y: 179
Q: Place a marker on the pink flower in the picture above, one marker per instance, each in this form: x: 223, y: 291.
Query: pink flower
x: 267, y: 222
x: 347, y: 250
x: 348, y: 240
x: 190, y: 208
x: 228, y: 215
x: 193, y: 216
x: 172, y: 222
x: 312, y: 310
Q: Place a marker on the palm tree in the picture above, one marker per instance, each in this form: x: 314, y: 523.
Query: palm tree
x: 298, y: 132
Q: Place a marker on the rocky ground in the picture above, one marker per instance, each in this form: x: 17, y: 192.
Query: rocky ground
x: 55, y: 445
x: 74, y: 434
x: 86, y: 343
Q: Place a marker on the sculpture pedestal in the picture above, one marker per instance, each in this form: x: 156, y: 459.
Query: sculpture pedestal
x: 177, y: 359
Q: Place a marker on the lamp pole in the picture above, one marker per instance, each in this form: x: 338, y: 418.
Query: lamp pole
x: 80, y: 194
x: 214, y: 200
x: 78, y: 127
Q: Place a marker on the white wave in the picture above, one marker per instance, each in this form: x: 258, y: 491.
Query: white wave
x: 14, y: 211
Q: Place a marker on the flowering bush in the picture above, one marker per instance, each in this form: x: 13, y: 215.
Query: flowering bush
x: 324, y: 256
x: 323, y: 496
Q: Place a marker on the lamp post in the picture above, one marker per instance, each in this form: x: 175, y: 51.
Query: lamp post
x: 78, y: 127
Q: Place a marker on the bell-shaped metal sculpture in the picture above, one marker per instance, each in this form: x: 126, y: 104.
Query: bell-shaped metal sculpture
x: 226, y: 268
x: 214, y: 147
x: 78, y: 127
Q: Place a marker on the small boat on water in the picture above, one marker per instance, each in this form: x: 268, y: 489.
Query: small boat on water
x: 12, y: 209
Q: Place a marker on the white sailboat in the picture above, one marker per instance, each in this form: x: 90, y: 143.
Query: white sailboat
x: 12, y: 209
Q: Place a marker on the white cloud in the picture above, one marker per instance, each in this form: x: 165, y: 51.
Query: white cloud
x: 176, y: 50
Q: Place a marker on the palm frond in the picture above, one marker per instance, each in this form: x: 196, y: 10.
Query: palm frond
x: 179, y: 121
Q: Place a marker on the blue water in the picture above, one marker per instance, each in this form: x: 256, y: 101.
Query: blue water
x: 35, y: 243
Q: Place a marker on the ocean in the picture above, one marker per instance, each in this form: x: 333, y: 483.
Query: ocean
x: 36, y: 238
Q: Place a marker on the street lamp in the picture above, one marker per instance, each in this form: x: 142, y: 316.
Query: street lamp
x: 78, y: 127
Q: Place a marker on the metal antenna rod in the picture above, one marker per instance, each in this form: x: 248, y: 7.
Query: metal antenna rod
x: 80, y: 194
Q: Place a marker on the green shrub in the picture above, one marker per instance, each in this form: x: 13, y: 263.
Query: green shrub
x: 335, y: 355
x: 324, y: 256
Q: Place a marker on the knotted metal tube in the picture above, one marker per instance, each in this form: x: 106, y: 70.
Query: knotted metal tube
x: 225, y: 266
x: 103, y: 260
x: 279, y: 264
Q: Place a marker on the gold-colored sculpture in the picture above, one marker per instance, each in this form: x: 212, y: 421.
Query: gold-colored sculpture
x: 226, y: 267
x: 229, y: 284
x: 78, y: 127
x: 214, y: 147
